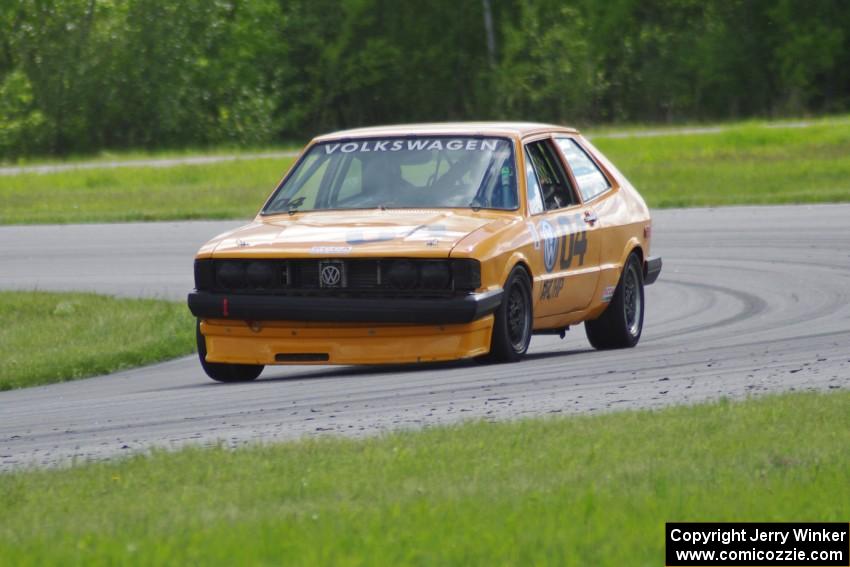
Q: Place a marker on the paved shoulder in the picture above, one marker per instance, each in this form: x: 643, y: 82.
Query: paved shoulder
x: 161, y: 162
x: 132, y: 259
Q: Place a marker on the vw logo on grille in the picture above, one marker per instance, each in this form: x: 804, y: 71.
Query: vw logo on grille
x: 331, y: 274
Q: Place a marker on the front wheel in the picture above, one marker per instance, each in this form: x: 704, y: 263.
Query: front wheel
x: 223, y: 372
x: 512, y: 327
x: 621, y: 324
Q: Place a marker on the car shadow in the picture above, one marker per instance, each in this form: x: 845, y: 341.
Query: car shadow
x: 344, y: 371
x: 556, y: 353
x: 331, y: 372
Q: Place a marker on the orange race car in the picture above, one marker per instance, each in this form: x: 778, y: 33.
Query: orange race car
x: 427, y: 242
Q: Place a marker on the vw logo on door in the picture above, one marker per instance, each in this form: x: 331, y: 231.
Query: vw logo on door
x: 550, y: 244
x: 330, y: 274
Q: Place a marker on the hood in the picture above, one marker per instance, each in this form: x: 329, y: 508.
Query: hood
x: 363, y: 233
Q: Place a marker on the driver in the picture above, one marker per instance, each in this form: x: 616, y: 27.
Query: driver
x: 382, y: 179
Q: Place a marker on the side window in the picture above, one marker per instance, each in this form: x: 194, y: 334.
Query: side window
x: 535, y: 200
x: 591, y: 181
x: 554, y: 185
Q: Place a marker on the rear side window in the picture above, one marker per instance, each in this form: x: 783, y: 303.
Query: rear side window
x: 591, y: 181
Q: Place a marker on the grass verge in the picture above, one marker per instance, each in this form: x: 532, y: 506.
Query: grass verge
x: 587, y: 490
x: 53, y: 337
x: 234, y: 189
x: 745, y: 163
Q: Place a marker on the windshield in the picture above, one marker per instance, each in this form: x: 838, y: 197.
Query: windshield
x: 420, y: 172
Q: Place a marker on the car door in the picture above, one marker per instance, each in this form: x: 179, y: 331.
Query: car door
x: 568, y: 231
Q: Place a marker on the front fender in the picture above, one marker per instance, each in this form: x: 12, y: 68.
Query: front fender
x: 513, y: 260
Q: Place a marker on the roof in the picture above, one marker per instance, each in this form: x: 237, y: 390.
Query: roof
x: 520, y: 129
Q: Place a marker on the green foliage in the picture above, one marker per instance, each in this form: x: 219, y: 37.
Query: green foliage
x: 147, y: 73
x: 21, y: 124
x: 545, y: 71
x: 53, y: 337
x: 82, y: 75
x: 575, y: 491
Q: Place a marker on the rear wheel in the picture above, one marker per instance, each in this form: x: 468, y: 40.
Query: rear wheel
x: 621, y: 324
x: 223, y: 372
x: 512, y: 327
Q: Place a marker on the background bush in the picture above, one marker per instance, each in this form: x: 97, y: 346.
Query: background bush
x: 82, y: 75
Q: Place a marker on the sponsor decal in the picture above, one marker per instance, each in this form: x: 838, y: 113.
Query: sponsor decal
x: 428, y: 144
x: 608, y: 293
x: 550, y: 244
x: 360, y: 237
x: 330, y: 250
x: 551, y: 289
x: 429, y: 233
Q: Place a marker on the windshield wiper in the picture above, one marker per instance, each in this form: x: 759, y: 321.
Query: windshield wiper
x: 293, y: 205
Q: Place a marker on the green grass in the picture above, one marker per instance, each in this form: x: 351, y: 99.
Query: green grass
x: 638, y: 127
x: 572, y: 491
x: 747, y: 164
x: 53, y: 337
x: 235, y: 189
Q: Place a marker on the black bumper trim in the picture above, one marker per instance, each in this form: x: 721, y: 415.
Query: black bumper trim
x: 464, y: 309
x: 653, y: 269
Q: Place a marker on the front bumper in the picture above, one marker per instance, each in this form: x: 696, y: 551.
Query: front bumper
x: 653, y: 269
x: 454, y: 310
x: 277, y: 343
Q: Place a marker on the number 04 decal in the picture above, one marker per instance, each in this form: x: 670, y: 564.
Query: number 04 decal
x: 577, y: 245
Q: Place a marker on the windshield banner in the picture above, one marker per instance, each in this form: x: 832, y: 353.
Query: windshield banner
x: 469, y: 144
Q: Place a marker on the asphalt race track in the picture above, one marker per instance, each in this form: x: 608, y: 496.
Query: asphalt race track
x: 751, y: 300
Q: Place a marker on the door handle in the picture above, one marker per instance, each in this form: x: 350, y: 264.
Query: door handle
x: 590, y: 217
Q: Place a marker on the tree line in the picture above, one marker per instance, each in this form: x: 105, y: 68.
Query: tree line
x: 83, y: 75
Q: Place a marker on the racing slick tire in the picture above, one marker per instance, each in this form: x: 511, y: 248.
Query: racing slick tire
x: 513, y: 324
x: 223, y: 372
x: 621, y: 324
